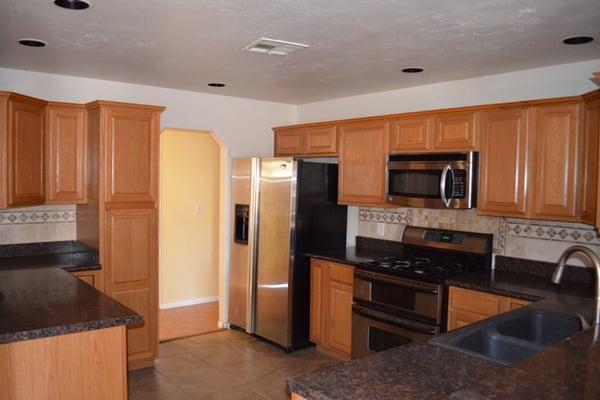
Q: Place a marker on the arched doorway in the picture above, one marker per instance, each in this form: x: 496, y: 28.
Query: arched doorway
x: 191, y: 232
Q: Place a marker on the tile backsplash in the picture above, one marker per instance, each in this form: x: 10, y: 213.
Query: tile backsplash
x: 38, y: 224
x: 530, y: 239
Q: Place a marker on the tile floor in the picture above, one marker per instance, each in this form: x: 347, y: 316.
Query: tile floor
x: 222, y: 365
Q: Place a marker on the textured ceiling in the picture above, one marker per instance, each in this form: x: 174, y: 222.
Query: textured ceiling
x: 357, y: 46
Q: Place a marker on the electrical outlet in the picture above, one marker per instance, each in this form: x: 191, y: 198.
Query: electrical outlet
x: 198, y: 209
x: 380, y: 229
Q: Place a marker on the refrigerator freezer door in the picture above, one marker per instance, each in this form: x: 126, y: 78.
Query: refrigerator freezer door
x: 276, y: 216
x: 244, y: 189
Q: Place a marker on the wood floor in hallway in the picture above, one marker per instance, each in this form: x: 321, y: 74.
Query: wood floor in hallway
x: 182, y: 322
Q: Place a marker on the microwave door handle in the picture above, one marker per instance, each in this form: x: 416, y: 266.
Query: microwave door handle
x: 445, y: 200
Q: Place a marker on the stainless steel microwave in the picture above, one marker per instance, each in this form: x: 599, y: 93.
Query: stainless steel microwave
x: 433, y: 180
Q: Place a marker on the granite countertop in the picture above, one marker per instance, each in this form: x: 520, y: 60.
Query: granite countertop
x: 42, y: 302
x: 419, y: 371
x: 40, y: 298
x: 347, y: 255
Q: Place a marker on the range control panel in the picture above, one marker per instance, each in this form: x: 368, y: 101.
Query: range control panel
x: 444, y: 237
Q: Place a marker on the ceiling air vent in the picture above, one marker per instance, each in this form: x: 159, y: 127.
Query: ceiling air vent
x: 274, y: 47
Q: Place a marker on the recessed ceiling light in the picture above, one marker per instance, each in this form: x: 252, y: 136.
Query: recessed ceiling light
x: 72, y: 4
x: 216, y: 84
x: 573, y: 40
x: 32, y: 42
x: 412, y: 70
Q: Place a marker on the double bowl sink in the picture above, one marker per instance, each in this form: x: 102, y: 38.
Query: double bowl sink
x: 508, y: 338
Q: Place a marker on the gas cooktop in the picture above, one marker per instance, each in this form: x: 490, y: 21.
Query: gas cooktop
x: 433, y: 255
x: 421, y: 268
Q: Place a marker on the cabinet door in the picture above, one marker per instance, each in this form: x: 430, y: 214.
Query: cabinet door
x: 362, y: 163
x: 25, y: 153
x: 411, y: 134
x: 289, y: 142
x: 92, y: 278
x: 131, y: 156
x: 131, y: 275
x: 318, y: 277
x: 503, y: 162
x: 320, y: 140
x: 65, y: 154
x: 589, y: 178
x: 557, y: 139
x: 455, y: 131
x: 340, y: 316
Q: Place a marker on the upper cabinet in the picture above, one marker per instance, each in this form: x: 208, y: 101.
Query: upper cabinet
x: 131, y: 156
x: 308, y: 141
x: 411, y: 134
x: 505, y: 143
x: 363, y: 149
x: 558, y: 143
x: 65, y: 153
x: 540, y: 162
x: 455, y: 131
x: 22, y: 130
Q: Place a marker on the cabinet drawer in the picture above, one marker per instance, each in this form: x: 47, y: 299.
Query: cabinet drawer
x: 459, y: 318
x: 475, y: 302
x: 341, y: 273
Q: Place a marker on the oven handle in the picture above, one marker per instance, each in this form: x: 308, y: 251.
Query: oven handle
x: 446, y: 201
x: 367, y: 313
x: 396, y: 281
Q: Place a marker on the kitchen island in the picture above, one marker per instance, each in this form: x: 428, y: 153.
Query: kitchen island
x: 59, y: 337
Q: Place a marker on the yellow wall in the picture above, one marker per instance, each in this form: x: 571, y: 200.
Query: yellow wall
x: 189, y: 249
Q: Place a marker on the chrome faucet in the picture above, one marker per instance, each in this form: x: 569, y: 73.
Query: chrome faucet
x: 594, y: 259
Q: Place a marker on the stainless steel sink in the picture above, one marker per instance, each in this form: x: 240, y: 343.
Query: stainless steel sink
x: 509, y: 338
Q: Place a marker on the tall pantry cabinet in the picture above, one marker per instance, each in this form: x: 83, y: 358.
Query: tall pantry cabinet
x: 121, y: 215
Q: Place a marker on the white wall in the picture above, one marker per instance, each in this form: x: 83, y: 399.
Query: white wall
x: 555, y: 81
x: 244, y: 125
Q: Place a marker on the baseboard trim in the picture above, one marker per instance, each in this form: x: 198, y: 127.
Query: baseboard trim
x: 191, y: 302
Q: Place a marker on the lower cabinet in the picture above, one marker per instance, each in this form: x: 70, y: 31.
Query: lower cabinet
x: 331, y: 306
x: 469, y: 306
x: 93, y: 278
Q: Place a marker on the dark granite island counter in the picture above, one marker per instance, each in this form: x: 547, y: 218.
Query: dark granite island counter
x: 60, y: 338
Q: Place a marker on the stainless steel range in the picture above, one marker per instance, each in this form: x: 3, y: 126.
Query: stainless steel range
x: 402, y: 299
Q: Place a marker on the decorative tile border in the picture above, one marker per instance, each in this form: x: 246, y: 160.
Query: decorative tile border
x: 393, y: 216
x: 555, y: 231
x: 14, y: 217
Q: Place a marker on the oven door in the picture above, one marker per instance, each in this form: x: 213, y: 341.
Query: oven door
x: 374, y: 331
x: 412, y: 299
x: 433, y: 183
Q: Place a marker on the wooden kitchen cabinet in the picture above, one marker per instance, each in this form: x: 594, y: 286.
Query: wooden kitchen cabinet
x: 331, y: 306
x: 504, y: 157
x: 22, y: 133
x: 308, y: 141
x: 411, y: 134
x: 289, y: 142
x: 363, y: 151
x: 558, y: 142
x: 317, y: 300
x: 131, y: 164
x: 66, y: 162
x: 591, y: 143
x: 455, y: 131
x: 120, y: 216
x: 469, y: 306
x: 320, y: 141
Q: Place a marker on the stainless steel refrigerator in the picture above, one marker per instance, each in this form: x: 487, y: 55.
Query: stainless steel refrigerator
x: 282, y: 209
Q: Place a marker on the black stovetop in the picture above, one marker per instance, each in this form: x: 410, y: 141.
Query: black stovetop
x: 425, y: 264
